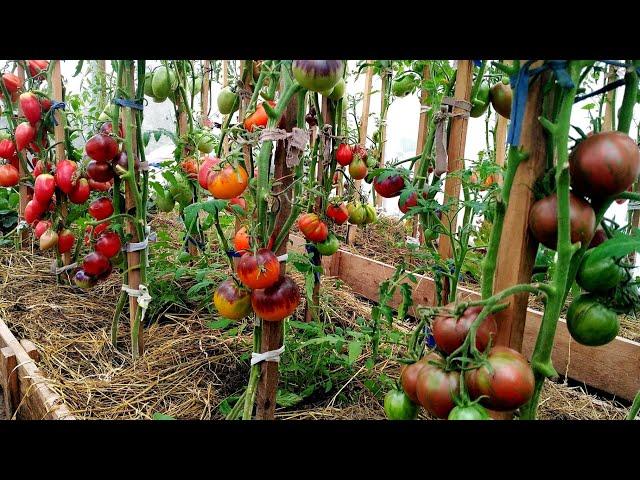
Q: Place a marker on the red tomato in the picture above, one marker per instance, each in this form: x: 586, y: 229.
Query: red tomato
x: 107, y: 129
x: 260, y: 270
x: 33, y: 211
x: 100, y: 209
x: 121, y: 160
x: 241, y: 240
x: 338, y: 212
x: 190, y: 166
x: 450, y: 332
x: 95, y: 264
x: 11, y: 82
x: 207, y: 163
x: 276, y: 302
x: 7, y: 149
x: 344, y: 155
x: 389, y: 187
x: 102, y: 148
x: 9, y: 176
x: 41, y: 227
x: 437, y: 389
x: 37, y: 66
x: 66, y: 173
x: 543, y: 220
x: 66, y: 239
x: 100, y: 186
x: 25, y: 134
x: 108, y: 244
x: 44, y: 188
x: 99, y: 171
x: 508, y: 381
x: 239, y: 201
x: 228, y: 182
x: 409, y: 374
x: 313, y: 229
x: 80, y: 192
x: 258, y: 118
x: 30, y: 107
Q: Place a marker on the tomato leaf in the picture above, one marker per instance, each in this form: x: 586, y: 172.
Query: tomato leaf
x: 618, y: 246
x: 219, y: 324
x: 161, y: 416
x: 355, y: 350
x: 286, y: 399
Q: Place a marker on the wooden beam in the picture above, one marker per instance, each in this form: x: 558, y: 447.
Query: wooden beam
x: 352, y: 230
x: 58, y: 134
x: 31, y: 349
x: 517, y: 253
x: 272, y: 332
x: 455, y: 152
x: 9, y: 380
x: 423, y: 127
x: 37, y: 400
x: 614, y: 368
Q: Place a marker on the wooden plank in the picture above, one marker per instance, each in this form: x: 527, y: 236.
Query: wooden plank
x: 38, y: 401
x: 352, y: 230
x: 455, y: 152
x: 517, y: 252
x: 422, y: 135
x: 614, y: 368
x: 9, y: 380
x: 31, y: 349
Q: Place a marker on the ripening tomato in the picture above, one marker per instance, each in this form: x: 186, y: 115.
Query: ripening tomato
x: 450, y: 332
x: 41, y: 227
x: 409, y: 199
x: 604, y: 164
x: 277, y: 301
x: 388, y: 186
x: 121, y: 160
x: 232, y: 301
x: 44, y: 188
x: 33, y: 211
x: 258, y: 118
x: 543, y: 220
x: 591, y: 323
x: 100, y: 186
x: 501, y: 95
x: 99, y: 171
x: 239, y: 201
x: 11, y: 82
x: 108, y: 244
x: 207, y: 163
x: 260, y: 270
x: 318, y: 75
x: 190, y: 166
x: 48, y: 239
x: 507, y: 380
x: 437, y: 389
x: 344, y: 154
x: 39, y: 168
x: 9, y: 176
x: 409, y: 374
x: 313, y: 229
x: 338, y: 212
x: 357, y: 168
x: 95, y: 264
x: 241, y: 240
x: 84, y: 281
x: 398, y: 406
x: 25, y: 134
x: 598, y: 237
x: 30, y: 107
x: 102, y: 148
x: 80, y: 192
x: 66, y: 239
x: 228, y: 183
x: 107, y: 129
x: 36, y: 67
x: 7, y: 148
x: 66, y: 173
x: 101, y: 208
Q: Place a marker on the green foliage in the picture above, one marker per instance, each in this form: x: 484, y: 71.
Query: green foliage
x: 9, y: 200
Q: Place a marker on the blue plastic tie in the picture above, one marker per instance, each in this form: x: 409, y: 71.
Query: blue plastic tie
x: 559, y: 67
x: 56, y: 106
x: 233, y: 253
x: 123, y: 102
x: 477, y: 63
x: 428, y: 337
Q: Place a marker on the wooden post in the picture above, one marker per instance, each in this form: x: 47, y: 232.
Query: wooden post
x: 422, y: 134
x: 58, y: 134
x: 225, y: 82
x: 272, y: 332
x: 501, y: 137
x: 455, y: 151
x: 610, y: 102
x: 9, y: 376
x: 204, y: 98
x: 518, y: 248
x: 22, y: 189
x: 386, y: 78
x: 352, y: 230
x: 128, y: 115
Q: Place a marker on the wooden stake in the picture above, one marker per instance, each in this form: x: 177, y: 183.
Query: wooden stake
x: 352, y: 230
x: 609, y: 104
x: 386, y: 78
x: 272, y: 332
x: 204, y: 98
x: 133, y: 258
x: 22, y: 189
x: 422, y: 135
x: 102, y: 79
x: 58, y: 134
x: 455, y: 151
x: 225, y: 82
x: 518, y: 248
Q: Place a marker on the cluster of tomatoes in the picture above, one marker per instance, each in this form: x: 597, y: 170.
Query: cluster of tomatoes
x: 500, y: 379
x: 499, y: 96
x: 602, y: 165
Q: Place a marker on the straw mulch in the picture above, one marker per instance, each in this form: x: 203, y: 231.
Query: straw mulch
x: 188, y: 369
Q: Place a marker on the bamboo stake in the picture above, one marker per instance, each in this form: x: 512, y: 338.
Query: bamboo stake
x: 364, y: 125
x: 423, y: 126
x: 24, y: 233
x: 204, y: 92
x: 225, y: 83
x: 610, y: 99
x: 384, y: 107
x: 58, y: 134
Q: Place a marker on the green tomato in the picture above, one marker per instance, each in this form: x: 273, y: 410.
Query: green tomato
x: 161, y: 83
x: 398, y: 406
x: 206, y: 142
x: 337, y: 92
x: 165, y: 203
x: 357, y: 213
x: 226, y: 100
x: 403, y: 86
x: 481, y: 102
x: 148, y: 88
x: 591, y: 323
x: 329, y: 246
x: 469, y: 412
x: 600, y: 276
x: 371, y: 215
